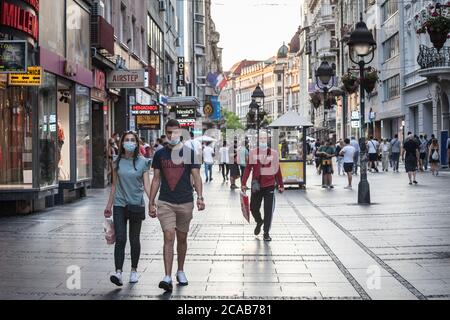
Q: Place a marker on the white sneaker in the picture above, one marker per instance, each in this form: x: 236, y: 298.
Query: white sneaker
x: 348, y: 188
x: 117, y: 279
x: 134, y: 277
x: 181, y: 278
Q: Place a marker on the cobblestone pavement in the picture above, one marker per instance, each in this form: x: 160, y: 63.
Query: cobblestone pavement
x: 324, y: 247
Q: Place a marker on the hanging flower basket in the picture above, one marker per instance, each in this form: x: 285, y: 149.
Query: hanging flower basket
x: 350, y: 82
x: 435, y: 20
x: 316, y: 99
x: 370, y: 80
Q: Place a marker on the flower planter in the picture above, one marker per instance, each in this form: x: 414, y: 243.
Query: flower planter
x: 351, y: 86
x: 369, y: 85
x: 438, y: 38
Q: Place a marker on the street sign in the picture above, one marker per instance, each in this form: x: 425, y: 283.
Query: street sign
x: 355, y: 124
x: 355, y: 115
x: 33, y: 77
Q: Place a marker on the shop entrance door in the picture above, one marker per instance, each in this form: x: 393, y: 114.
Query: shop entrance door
x: 100, y: 135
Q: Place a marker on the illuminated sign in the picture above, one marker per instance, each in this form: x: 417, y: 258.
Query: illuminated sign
x: 19, y: 18
x: 13, y: 56
x: 186, y: 113
x: 152, y: 122
x: 32, y: 78
x: 145, y: 110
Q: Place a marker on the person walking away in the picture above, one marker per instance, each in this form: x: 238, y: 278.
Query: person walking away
x: 396, y: 147
x: 327, y: 152
x: 411, y: 150
x: 224, y: 160
x: 434, y: 157
x: 357, y: 147
x: 264, y: 165
x: 234, y: 165
x: 340, y: 158
x: 318, y: 159
x: 113, y: 152
x: 208, y: 159
x: 372, y: 146
x: 348, y: 152
x: 175, y: 206
x: 131, y: 179
x: 243, y: 155
x: 423, y: 152
x: 385, y: 148
x: 427, y: 156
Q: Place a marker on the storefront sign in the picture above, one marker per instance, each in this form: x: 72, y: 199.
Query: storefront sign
x: 187, y: 123
x: 19, y: 18
x: 181, y: 80
x: 13, y: 56
x: 208, y: 110
x: 133, y: 79
x: 32, y: 78
x: 185, y: 113
x: 145, y: 110
x: 99, y: 79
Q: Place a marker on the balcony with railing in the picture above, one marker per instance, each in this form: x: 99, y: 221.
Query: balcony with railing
x: 434, y: 63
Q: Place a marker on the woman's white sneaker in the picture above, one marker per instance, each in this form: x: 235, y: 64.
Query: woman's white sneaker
x: 182, y: 279
x: 134, y: 277
x: 117, y: 279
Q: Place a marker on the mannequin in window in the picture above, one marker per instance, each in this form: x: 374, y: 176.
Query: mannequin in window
x: 61, y: 139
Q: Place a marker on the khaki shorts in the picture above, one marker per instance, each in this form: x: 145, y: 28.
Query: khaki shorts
x: 175, y: 216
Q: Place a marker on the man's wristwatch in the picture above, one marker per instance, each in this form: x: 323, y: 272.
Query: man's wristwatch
x: 201, y: 199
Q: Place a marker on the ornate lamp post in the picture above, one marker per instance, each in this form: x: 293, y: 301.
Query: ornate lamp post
x: 362, y: 44
x: 325, y: 74
x: 257, y: 96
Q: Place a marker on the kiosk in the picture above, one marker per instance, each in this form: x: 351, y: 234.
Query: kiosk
x: 292, y: 147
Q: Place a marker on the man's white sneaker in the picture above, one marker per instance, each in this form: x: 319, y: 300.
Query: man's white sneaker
x: 117, y: 279
x: 134, y: 277
x: 181, y: 278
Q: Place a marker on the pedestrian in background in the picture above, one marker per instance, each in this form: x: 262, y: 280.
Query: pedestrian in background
x: 434, y: 157
x: 172, y: 177
x: 340, y: 158
x: 396, y: 147
x: 385, y: 148
x: 348, y: 152
x: 234, y: 165
x: 410, y: 156
x: 208, y: 159
x: 327, y: 153
x: 243, y: 155
x: 265, y: 169
x: 131, y: 179
x: 423, y: 152
x: 357, y: 147
x: 427, y: 156
x: 224, y: 160
x: 373, y: 148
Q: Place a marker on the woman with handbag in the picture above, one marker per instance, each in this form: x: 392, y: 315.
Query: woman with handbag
x: 434, y: 157
x: 131, y: 179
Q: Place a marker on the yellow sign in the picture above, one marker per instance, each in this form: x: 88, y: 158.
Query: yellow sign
x: 292, y: 172
x: 33, y: 77
x: 208, y: 110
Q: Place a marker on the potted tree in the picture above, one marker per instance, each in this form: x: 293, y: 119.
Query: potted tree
x: 435, y: 20
x: 370, y: 80
x: 350, y: 82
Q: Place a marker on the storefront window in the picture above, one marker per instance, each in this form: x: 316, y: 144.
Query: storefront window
x: 83, y: 129
x: 51, y: 36
x: 78, y: 40
x: 63, y: 130
x: 16, y: 136
x: 48, y: 137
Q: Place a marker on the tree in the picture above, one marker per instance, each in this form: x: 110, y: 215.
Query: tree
x: 232, y: 121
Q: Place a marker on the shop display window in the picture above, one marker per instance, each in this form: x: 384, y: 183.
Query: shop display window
x: 48, y: 132
x: 83, y: 132
x: 63, y: 130
x: 16, y: 128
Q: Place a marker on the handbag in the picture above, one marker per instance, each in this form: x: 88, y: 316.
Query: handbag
x: 435, y: 155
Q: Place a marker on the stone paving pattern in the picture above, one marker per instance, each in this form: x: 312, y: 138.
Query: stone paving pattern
x: 324, y: 247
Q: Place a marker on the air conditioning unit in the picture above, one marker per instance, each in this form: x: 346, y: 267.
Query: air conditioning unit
x: 98, y: 8
x: 162, y: 5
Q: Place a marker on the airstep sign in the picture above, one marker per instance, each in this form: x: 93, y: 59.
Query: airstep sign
x: 33, y: 77
x: 122, y: 79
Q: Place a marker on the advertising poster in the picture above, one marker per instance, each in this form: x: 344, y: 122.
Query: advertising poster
x: 13, y: 56
x: 292, y: 172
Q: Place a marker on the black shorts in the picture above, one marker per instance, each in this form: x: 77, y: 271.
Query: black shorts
x: 373, y: 157
x: 423, y: 156
x: 234, y: 170
x: 327, y: 169
x: 348, y: 167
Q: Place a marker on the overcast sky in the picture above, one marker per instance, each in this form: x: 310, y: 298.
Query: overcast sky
x: 254, y: 29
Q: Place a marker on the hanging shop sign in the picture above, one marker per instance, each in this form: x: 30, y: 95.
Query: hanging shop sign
x: 145, y: 110
x: 185, y: 113
x: 208, y: 110
x: 33, y: 77
x: 13, y: 56
x: 21, y: 18
x: 123, y: 79
x: 148, y: 117
x: 181, y: 76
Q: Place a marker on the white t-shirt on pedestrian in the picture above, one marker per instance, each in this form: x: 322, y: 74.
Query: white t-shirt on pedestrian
x: 208, y: 155
x: 373, y: 146
x: 385, y: 147
x: 349, y: 153
x: 224, y: 155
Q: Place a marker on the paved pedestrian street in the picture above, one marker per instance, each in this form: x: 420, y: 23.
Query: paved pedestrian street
x: 324, y: 247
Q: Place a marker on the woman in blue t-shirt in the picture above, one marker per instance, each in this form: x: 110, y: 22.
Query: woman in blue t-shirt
x: 130, y: 180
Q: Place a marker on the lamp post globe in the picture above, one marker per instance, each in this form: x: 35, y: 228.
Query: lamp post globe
x: 258, y: 97
x: 361, y: 40
x: 324, y: 73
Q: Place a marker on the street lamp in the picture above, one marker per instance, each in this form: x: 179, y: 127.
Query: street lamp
x: 363, y: 44
x: 325, y: 74
x: 257, y: 96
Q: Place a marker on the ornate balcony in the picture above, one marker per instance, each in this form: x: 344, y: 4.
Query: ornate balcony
x: 433, y: 63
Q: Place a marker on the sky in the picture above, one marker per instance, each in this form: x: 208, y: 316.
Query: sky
x: 254, y: 29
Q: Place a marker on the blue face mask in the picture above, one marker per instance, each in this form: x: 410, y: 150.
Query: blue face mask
x: 263, y: 145
x: 174, y: 142
x: 129, y: 146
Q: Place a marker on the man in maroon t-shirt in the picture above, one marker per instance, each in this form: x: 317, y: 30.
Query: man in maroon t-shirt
x: 264, y: 163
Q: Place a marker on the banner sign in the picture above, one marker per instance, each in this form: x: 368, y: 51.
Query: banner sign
x: 13, y: 56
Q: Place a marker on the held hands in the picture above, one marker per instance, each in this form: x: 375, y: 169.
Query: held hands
x: 153, y: 210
